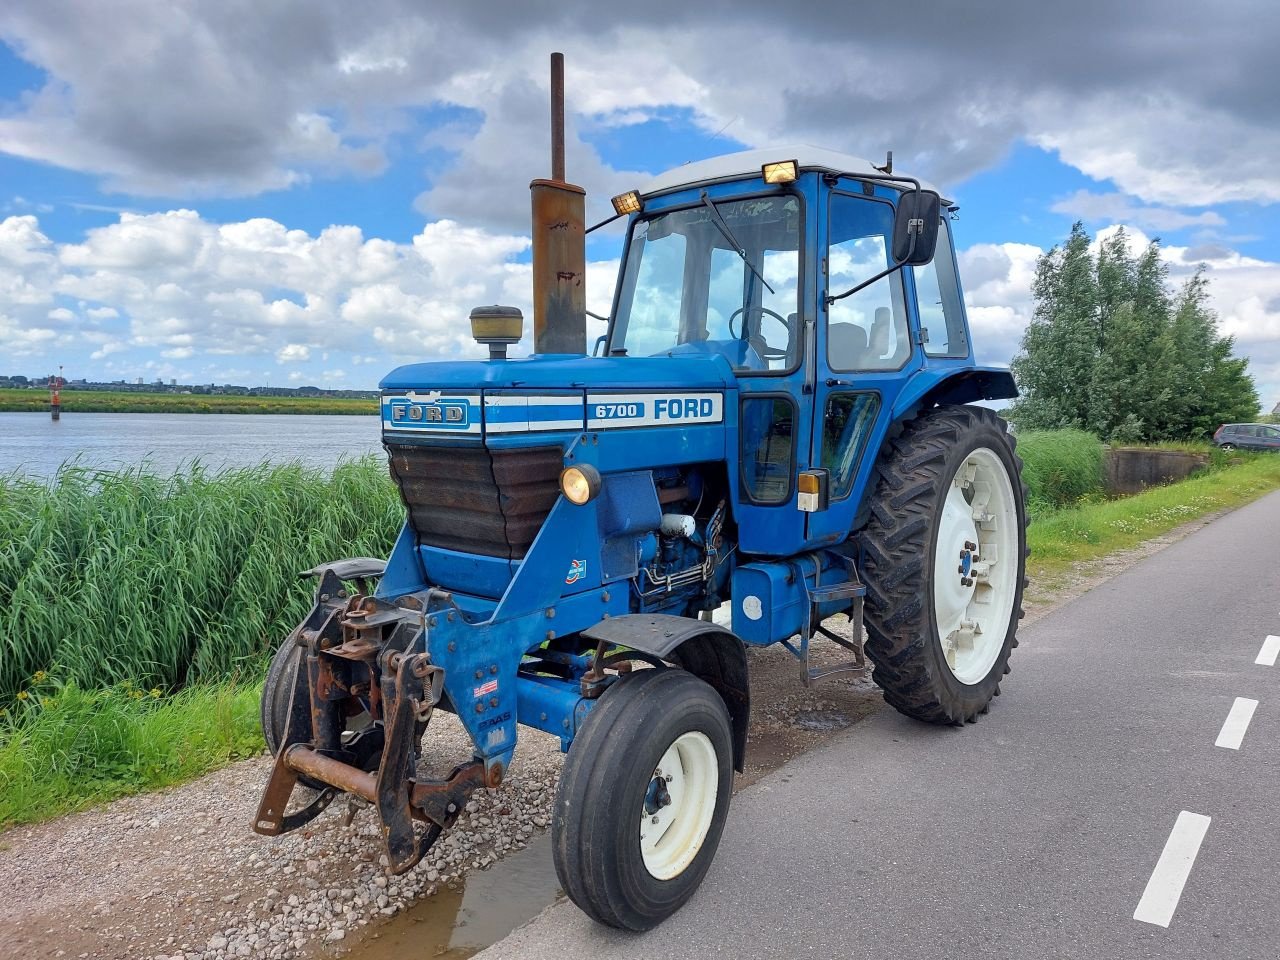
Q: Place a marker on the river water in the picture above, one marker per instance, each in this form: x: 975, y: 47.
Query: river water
x: 35, y: 445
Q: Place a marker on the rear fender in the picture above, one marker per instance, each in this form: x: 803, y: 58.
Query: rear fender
x: 925, y: 389
x: 705, y: 649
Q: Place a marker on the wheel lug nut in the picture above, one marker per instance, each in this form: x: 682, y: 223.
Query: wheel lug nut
x: 654, y: 820
x: 668, y: 778
x: 960, y: 569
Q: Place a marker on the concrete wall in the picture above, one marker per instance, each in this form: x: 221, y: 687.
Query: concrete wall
x: 1133, y: 469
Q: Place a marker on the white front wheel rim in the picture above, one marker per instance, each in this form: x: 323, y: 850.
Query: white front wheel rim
x: 975, y: 570
x: 679, y: 805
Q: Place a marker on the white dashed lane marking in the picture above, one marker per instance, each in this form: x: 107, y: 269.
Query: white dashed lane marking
x: 1237, y: 722
x: 1270, y: 650
x: 1164, y: 889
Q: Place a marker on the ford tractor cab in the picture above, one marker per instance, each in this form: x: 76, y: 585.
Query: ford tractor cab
x: 776, y: 429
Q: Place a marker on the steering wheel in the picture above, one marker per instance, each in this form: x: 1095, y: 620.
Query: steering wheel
x: 757, y: 342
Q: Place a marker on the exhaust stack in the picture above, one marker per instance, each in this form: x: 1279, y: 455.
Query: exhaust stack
x: 559, y: 244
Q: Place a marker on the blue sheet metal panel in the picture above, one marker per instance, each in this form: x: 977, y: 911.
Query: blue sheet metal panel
x: 644, y: 447
x: 565, y: 372
x: 627, y: 511
x: 768, y: 602
x: 469, y: 572
x: 404, y: 572
x: 628, y: 503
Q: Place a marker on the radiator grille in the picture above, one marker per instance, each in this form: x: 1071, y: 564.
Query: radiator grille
x: 474, y: 499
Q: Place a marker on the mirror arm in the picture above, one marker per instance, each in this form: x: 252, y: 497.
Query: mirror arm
x: 604, y: 223
x: 879, y: 276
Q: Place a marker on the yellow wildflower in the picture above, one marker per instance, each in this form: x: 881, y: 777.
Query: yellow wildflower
x: 23, y: 695
x: 39, y: 677
x: 155, y: 693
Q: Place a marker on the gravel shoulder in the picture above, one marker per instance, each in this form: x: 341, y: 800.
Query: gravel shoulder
x: 179, y: 874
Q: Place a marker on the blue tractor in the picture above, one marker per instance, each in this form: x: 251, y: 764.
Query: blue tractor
x: 777, y: 425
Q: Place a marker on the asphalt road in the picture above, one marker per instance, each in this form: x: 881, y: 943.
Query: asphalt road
x: 1036, y: 832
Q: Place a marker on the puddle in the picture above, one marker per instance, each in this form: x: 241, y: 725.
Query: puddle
x: 821, y: 720
x: 475, y: 913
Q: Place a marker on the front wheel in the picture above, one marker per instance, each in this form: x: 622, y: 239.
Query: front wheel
x: 945, y: 561
x: 643, y: 798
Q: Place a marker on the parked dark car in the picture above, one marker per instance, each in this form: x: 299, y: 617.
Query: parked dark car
x: 1248, y: 436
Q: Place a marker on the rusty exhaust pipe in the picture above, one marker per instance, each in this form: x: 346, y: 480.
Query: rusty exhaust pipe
x: 559, y: 244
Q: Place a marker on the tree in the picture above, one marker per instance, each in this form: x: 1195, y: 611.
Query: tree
x: 1112, y: 349
x: 1061, y: 344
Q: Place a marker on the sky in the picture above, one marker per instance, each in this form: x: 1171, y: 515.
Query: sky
x: 314, y: 191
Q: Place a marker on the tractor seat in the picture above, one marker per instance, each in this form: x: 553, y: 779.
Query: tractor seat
x: 846, y: 346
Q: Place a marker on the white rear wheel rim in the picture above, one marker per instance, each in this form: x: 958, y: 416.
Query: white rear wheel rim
x: 975, y: 568
x: 672, y: 834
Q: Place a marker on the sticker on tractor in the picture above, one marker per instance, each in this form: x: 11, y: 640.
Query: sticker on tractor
x: 577, y: 570
x: 485, y: 689
x: 496, y: 738
x: 608, y: 410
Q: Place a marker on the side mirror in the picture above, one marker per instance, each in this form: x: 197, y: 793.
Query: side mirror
x: 915, y: 229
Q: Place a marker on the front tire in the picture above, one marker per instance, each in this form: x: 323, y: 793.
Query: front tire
x: 643, y: 798
x: 945, y: 564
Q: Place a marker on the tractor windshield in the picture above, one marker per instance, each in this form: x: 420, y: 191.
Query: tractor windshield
x: 687, y: 290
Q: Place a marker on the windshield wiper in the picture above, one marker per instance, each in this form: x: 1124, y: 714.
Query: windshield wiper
x: 738, y: 248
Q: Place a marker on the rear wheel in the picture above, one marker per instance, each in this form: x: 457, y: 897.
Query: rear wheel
x: 643, y: 798
x: 945, y: 564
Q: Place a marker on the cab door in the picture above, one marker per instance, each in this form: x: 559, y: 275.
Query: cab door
x: 866, y: 346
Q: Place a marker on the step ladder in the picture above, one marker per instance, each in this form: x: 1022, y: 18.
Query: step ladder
x: 850, y: 589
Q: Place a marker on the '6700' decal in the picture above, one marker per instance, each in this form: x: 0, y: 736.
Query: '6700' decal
x: 609, y: 410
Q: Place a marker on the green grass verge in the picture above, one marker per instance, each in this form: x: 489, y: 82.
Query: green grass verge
x: 1061, y: 538
x: 63, y: 747
x: 106, y: 401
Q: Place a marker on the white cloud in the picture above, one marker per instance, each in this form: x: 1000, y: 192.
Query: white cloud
x: 189, y: 99
x: 185, y: 288
x: 293, y: 353
x: 1117, y: 208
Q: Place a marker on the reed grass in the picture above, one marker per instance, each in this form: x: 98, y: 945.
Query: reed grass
x: 1060, y: 467
x: 109, y: 577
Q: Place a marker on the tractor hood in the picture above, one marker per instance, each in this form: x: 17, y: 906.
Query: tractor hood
x: 553, y: 393
x: 565, y: 371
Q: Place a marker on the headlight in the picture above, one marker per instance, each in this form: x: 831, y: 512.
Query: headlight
x: 580, y: 484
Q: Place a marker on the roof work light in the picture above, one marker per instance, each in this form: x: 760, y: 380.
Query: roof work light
x: 629, y: 202
x: 784, y: 171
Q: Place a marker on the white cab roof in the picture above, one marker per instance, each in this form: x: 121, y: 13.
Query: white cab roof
x: 734, y: 165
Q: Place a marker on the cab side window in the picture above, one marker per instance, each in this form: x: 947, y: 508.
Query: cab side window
x: 868, y: 329
x: 938, y: 302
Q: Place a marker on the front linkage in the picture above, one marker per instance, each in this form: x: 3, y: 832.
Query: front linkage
x: 360, y: 696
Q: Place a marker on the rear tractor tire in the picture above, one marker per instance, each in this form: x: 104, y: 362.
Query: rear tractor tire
x: 945, y: 550
x: 643, y: 798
